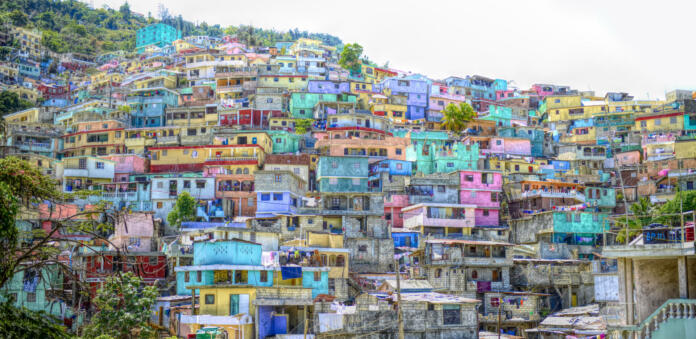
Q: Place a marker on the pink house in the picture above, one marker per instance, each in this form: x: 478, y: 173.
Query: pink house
x: 506, y: 145
x: 484, y: 190
x: 439, y: 219
x: 134, y: 232
x: 129, y: 163
x: 392, y: 209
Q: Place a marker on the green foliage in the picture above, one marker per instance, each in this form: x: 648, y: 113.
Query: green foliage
x: 683, y: 201
x: 456, y: 117
x: 124, y: 307
x: 19, y: 18
x: 350, y: 57
x: 21, y: 184
x: 642, y: 212
x: 10, y: 102
x: 303, y: 125
x: 184, y: 210
x: 22, y: 323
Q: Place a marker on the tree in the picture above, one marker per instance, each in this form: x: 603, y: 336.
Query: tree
x: 124, y: 307
x: 10, y: 102
x: 303, y: 125
x: 350, y: 57
x: 19, y: 18
x: 125, y: 11
x: 456, y: 117
x: 18, y: 322
x: 643, y: 212
x: 184, y: 210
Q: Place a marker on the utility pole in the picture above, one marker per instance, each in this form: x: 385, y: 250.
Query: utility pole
x: 398, y: 289
x: 500, y: 305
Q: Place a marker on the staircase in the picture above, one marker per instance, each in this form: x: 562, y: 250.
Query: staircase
x: 674, y: 319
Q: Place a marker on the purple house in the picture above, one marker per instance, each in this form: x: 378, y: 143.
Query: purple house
x: 416, y: 91
x: 484, y: 190
x: 328, y: 87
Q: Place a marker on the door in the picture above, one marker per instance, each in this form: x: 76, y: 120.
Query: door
x: 574, y: 300
x: 244, y: 303
x: 234, y: 304
x: 495, y: 275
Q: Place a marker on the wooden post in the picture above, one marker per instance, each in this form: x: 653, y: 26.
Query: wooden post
x: 305, y: 321
x: 398, y: 289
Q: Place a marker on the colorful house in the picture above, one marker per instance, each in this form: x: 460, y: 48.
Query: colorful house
x: 159, y: 35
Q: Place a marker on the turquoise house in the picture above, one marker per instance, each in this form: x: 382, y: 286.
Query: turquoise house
x: 285, y: 142
x: 159, y: 35
x: 34, y: 290
x: 302, y: 104
x: 343, y: 174
x: 579, y: 228
x: 431, y: 158
x: 238, y: 262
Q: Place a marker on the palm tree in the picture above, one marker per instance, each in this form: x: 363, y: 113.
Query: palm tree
x: 643, y: 212
x: 456, y: 117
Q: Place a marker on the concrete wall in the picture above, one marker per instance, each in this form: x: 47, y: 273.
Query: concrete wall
x: 654, y: 281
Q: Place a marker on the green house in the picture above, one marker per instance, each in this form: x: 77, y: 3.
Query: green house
x: 285, y: 142
x: 431, y: 157
x: 302, y: 104
x: 159, y: 35
x: 342, y: 174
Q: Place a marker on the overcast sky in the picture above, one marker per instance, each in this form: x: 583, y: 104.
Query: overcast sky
x: 642, y: 47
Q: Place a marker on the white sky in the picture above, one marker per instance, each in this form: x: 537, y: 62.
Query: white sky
x: 642, y: 47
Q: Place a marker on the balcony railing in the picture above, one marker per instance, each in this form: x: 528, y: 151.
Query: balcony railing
x: 120, y: 195
x: 243, y: 158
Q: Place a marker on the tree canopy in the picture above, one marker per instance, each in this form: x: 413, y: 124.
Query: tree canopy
x: 350, y: 57
x: 456, y: 117
x: 184, y: 210
x: 124, y: 307
x: 10, y: 102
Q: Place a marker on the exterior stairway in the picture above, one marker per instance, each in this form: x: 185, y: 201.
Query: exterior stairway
x: 676, y: 318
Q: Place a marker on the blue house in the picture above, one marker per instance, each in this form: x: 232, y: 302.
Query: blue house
x: 149, y: 106
x: 278, y: 193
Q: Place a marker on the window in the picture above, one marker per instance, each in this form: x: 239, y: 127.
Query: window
x: 494, y: 196
x: 200, y: 183
x: 99, y: 165
x: 486, y: 213
x: 362, y: 248
x: 265, y: 197
x: 187, y: 183
x: 31, y: 297
x: 317, y: 276
x: 199, y: 276
x: 277, y: 196
x: 310, y: 221
x: 278, y: 178
x: 264, y: 276
x: 450, y: 164
x: 296, y: 171
x: 209, y: 299
x: 451, y: 314
x: 186, y: 276
x: 658, y: 122
x: 152, y: 260
x: 469, y: 178
x: 498, y: 142
x: 441, y: 188
x: 643, y: 123
x: 673, y: 120
x: 472, y: 194
x: 159, y: 205
x: 577, y: 217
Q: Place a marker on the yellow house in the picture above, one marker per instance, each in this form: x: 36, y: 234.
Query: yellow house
x: 242, y: 152
x: 685, y: 149
x: 181, y: 45
x: 289, y: 82
x: 188, y: 116
x: 8, y: 70
x: 660, y: 122
x: 575, y: 112
x: 138, y: 139
x: 359, y: 86
x: 561, y: 101
x: 95, y: 138
x: 103, y: 79
x: 511, y: 166
x: 25, y: 93
x: 27, y: 116
x: 306, y: 47
x: 29, y: 41
x: 160, y: 80
x: 581, y: 135
x: 215, y: 310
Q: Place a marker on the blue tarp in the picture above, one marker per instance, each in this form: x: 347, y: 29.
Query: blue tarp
x: 291, y: 272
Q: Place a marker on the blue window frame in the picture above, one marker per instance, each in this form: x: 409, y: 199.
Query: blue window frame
x: 265, y: 197
x: 277, y: 196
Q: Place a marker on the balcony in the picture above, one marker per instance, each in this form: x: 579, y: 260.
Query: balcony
x: 139, y: 142
x: 283, y: 294
x: 224, y: 159
x: 553, y: 194
x: 168, y: 140
x: 230, y: 89
x: 128, y: 196
x: 34, y: 146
